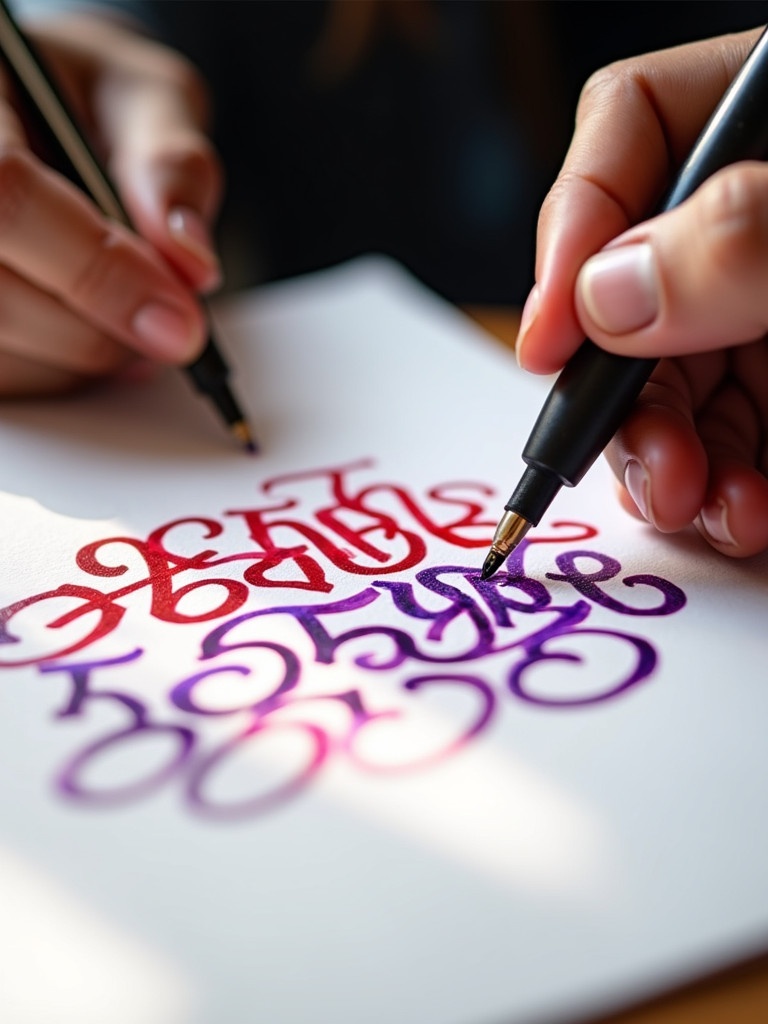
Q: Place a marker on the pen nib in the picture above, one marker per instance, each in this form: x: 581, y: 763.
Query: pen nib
x: 493, y: 562
x: 242, y: 432
x: 510, y: 531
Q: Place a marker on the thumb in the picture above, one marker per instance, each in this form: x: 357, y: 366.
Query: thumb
x: 690, y: 280
x: 164, y: 166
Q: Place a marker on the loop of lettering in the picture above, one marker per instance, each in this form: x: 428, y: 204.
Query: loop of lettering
x: 444, y: 631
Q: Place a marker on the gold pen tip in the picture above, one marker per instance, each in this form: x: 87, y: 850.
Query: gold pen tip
x: 242, y: 432
x: 493, y: 562
x: 510, y: 531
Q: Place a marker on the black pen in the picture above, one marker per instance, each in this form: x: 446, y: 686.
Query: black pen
x: 56, y: 122
x: 596, y: 390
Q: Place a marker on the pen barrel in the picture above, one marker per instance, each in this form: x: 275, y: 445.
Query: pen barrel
x: 584, y: 410
x: 209, y: 366
x: 737, y: 130
x: 209, y: 374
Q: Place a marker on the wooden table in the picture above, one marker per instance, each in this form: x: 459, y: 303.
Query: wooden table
x: 735, y: 996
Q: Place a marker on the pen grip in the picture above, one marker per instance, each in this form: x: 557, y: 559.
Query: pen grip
x: 208, y: 367
x: 584, y: 410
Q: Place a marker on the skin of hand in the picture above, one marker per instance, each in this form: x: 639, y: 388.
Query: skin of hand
x: 688, y: 285
x: 80, y: 296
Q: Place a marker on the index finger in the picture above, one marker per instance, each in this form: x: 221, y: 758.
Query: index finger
x: 635, y: 122
x: 54, y: 238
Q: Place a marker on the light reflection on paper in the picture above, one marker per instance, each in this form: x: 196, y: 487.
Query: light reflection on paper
x: 62, y: 962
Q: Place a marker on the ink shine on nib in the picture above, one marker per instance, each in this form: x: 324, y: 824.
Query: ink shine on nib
x: 493, y: 562
x: 510, y: 531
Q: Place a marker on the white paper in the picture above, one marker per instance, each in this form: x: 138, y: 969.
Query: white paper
x: 494, y: 840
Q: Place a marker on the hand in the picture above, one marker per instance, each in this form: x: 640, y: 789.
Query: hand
x: 689, y: 285
x: 79, y: 295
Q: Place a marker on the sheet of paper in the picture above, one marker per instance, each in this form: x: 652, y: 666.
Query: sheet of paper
x: 271, y: 751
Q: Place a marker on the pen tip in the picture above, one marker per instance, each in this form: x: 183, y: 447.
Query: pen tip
x: 242, y: 432
x: 493, y: 562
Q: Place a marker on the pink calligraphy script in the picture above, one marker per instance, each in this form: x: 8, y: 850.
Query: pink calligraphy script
x: 344, y: 659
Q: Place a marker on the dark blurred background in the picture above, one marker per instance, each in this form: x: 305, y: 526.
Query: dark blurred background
x: 426, y: 129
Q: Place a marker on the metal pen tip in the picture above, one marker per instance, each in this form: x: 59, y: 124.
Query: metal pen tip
x: 242, y: 432
x: 493, y: 562
x: 510, y: 531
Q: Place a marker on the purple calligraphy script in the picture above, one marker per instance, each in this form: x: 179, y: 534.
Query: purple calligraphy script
x: 280, y: 692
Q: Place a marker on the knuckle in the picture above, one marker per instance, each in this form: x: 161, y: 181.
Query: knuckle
x: 561, y: 189
x: 559, y: 196
x: 104, y: 278
x: 607, y: 87
x: 733, y: 218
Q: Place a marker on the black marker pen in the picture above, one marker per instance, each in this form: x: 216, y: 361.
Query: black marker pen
x: 596, y: 389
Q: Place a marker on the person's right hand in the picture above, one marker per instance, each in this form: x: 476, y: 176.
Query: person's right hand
x: 81, y: 296
x: 688, y: 286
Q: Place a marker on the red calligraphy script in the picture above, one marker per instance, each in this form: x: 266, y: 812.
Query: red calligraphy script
x: 320, y: 602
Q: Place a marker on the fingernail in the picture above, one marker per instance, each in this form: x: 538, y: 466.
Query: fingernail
x: 164, y: 330
x: 714, y: 520
x: 189, y: 229
x: 619, y: 289
x: 530, y: 309
x: 638, y: 483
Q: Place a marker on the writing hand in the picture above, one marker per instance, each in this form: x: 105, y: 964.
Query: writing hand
x: 79, y: 295
x: 688, y: 286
